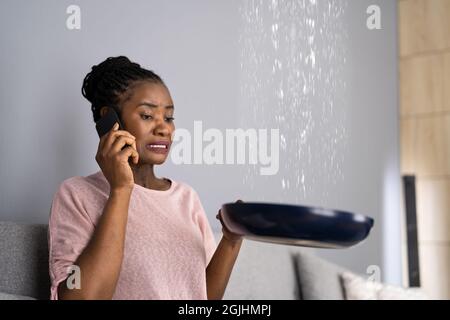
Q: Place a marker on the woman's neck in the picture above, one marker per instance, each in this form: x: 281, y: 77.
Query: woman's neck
x: 144, y: 175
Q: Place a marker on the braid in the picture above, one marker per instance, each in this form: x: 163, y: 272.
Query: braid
x: 109, y: 80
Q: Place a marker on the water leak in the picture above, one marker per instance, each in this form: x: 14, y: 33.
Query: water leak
x: 292, y: 57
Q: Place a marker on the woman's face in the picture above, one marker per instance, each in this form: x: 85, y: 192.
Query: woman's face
x: 148, y: 115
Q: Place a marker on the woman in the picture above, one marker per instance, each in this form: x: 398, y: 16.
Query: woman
x: 123, y: 233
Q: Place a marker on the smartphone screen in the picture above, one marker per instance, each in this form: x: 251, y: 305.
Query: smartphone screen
x: 106, y: 123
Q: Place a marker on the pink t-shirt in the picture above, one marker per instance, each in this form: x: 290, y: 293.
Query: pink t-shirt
x: 168, y: 243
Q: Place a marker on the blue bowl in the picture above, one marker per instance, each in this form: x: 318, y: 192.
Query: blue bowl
x: 296, y: 225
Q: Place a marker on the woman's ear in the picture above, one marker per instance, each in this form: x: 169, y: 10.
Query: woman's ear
x: 103, y: 111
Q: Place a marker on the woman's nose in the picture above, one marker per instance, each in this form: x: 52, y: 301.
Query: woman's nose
x: 162, y: 129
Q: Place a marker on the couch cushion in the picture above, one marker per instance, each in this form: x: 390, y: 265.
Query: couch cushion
x: 24, y: 260
x: 359, y: 288
x: 263, y: 271
x: 318, y: 278
x: 7, y: 296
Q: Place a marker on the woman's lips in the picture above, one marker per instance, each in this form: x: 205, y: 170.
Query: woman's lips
x: 158, y: 147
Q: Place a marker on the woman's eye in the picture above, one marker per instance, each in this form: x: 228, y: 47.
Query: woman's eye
x: 145, y: 116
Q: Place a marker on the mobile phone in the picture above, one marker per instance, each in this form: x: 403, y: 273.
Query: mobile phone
x: 106, y: 123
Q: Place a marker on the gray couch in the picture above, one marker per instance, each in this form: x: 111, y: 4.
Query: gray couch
x: 270, y: 271
x: 23, y: 261
x: 262, y: 271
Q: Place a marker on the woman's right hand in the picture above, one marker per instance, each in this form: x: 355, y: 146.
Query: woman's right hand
x: 114, y: 161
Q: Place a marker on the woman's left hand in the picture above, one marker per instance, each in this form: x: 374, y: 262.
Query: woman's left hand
x: 227, y: 234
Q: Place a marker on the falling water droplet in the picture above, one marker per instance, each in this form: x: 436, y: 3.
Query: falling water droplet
x: 283, y: 141
x: 292, y: 56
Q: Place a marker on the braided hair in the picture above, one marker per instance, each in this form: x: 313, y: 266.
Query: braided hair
x: 109, y: 80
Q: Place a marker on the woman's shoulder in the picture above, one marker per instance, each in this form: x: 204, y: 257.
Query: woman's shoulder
x: 187, y: 192
x: 83, y: 183
x: 184, y: 186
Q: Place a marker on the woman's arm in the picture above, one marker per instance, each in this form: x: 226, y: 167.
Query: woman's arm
x: 219, y: 268
x: 101, y: 260
x: 222, y: 262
